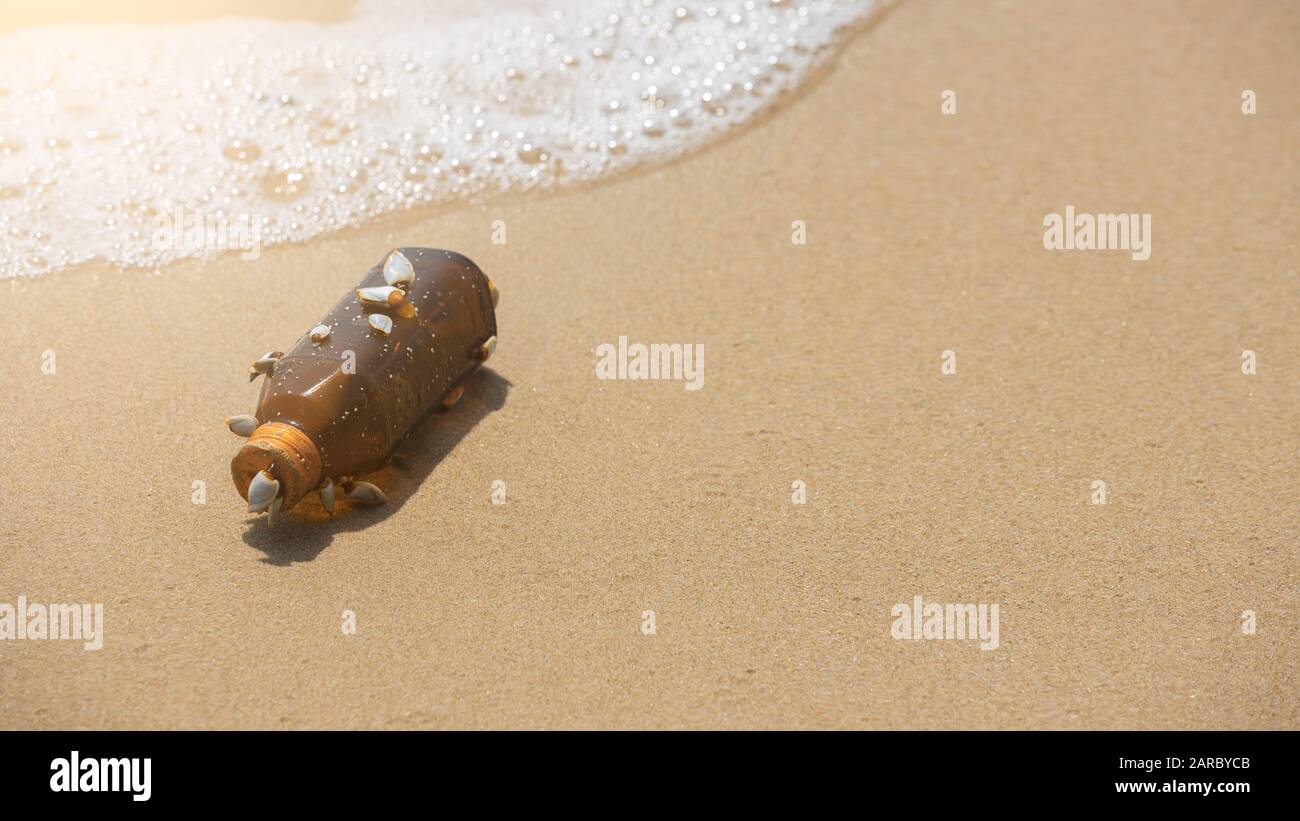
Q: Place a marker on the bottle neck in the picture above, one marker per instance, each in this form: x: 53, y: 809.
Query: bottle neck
x: 288, y: 454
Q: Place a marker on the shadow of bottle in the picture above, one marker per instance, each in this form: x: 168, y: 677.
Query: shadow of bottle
x: 302, y: 533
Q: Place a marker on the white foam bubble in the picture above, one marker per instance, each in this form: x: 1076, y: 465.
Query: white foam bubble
x: 276, y: 131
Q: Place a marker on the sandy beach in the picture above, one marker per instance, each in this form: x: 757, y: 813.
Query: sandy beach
x: 823, y: 365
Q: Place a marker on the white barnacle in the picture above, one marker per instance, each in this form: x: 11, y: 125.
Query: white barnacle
x: 273, y: 509
x: 380, y: 296
x: 327, y: 496
x: 320, y: 333
x: 262, y: 491
x: 367, y: 493
x: 381, y: 323
x: 265, y: 364
x: 242, y: 425
x: 398, y: 270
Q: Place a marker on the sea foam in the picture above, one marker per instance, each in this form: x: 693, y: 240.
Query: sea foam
x: 296, y: 128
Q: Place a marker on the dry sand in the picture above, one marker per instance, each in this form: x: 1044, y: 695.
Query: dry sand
x: 822, y: 365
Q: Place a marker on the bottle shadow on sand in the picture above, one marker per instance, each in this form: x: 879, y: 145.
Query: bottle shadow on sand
x: 302, y: 533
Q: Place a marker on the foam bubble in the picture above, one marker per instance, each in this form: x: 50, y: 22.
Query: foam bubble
x: 112, y: 139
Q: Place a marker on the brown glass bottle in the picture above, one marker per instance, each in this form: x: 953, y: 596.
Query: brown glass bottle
x: 336, y: 408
